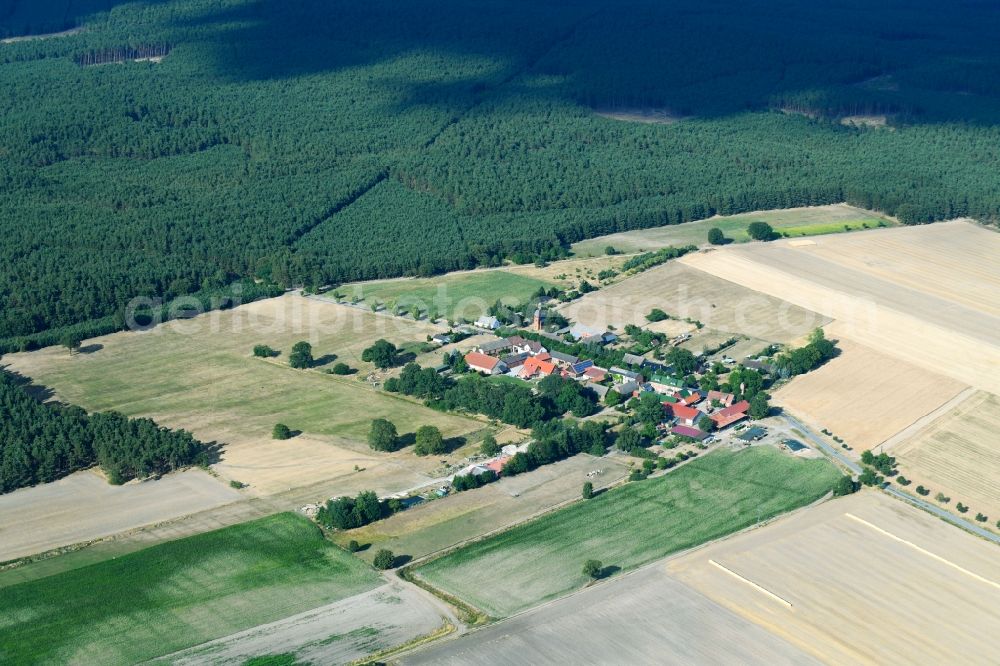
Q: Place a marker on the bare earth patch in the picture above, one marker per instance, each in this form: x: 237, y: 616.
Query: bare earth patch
x: 868, y: 580
x: 338, y: 633
x: 637, y: 115
x: 865, y: 396
x: 865, y: 120
x: 83, y: 506
x: 647, y: 617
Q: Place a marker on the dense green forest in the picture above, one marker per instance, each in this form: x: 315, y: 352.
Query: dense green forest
x: 318, y: 141
x: 41, y: 443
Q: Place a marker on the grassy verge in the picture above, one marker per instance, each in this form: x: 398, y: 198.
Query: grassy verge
x: 178, y: 594
x: 627, y: 527
x: 793, y: 222
x: 465, y: 295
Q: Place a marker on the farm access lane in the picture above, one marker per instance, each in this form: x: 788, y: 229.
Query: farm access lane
x: 894, y: 492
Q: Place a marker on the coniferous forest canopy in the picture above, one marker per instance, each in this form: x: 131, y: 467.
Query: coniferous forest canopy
x: 317, y: 141
x: 41, y: 443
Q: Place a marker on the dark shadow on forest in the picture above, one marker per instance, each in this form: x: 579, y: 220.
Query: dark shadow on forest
x: 24, y: 19
x: 600, y: 56
x: 939, y: 62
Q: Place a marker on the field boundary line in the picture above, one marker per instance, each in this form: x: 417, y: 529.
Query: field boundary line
x: 924, y: 551
x: 759, y: 588
x: 927, y: 420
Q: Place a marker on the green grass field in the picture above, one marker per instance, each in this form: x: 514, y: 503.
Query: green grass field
x: 177, y: 594
x: 793, y: 222
x: 629, y: 526
x: 457, y: 295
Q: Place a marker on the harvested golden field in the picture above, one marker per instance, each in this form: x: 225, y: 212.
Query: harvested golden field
x: 684, y: 292
x: 863, y: 579
x: 959, y: 454
x: 199, y: 375
x: 865, y: 396
x: 84, y: 506
x: 925, y: 294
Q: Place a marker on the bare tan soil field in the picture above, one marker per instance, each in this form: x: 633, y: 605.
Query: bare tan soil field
x: 865, y: 396
x: 639, y: 115
x: 681, y: 292
x: 85, y: 506
x: 199, y: 375
x: 436, y: 525
x: 647, y: 617
x: 959, y: 454
x: 338, y: 633
x: 863, y: 579
x: 921, y: 294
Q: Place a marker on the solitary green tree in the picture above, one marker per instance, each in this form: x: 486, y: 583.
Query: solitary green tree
x: 281, y: 431
x: 489, y: 447
x: 706, y: 424
x: 263, y: 351
x: 656, y: 314
x: 429, y: 441
x: 844, y: 486
x: 301, y: 356
x: 383, y: 436
x: 588, y: 490
x: 592, y: 569
x: 715, y: 236
x: 761, y: 231
x: 759, y: 407
x: 384, y: 559
x: 72, y: 342
x: 612, y: 398
x: 382, y: 354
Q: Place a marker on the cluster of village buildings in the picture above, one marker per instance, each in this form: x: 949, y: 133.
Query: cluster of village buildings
x: 684, y: 408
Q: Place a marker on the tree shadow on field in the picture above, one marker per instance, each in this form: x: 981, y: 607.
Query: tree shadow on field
x: 608, y: 571
x: 211, y: 454
x: 37, y: 391
x: 454, y: 443
x: 406, y: 439
x: 325, y: 359
x: 90, y: 349
x: 401, y: 560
